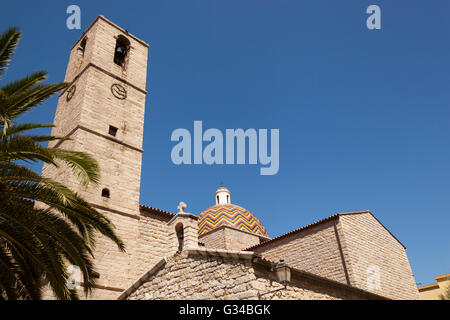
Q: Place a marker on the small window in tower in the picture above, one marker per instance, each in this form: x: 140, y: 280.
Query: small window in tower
x: 217, y: 199
x: 120, y: 53
x: 105, y: 193
x: 82, y: 47
x: 112, y: 131
x: 228, y: 199
x: 180, y: 235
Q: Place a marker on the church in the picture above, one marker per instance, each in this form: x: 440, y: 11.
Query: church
x: 224, y: 252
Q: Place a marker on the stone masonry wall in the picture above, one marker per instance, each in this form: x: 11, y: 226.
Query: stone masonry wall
x: 198, y: 277
x: 152, y: 242
x: 146, y: 243
x: 214, y: 239
x: 103, y: 109
x: 102, y: 36
x: 119, y: 168
x: 314, y: 250
x: 118, y: 269
x: 370, y: 250
x: 239, y: 240
x: 229, y: 238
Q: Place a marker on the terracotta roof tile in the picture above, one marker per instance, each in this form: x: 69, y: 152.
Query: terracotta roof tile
x: 156, y: 211
x: 428, y: 287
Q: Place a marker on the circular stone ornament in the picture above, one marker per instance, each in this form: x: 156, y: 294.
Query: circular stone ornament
x: 119, y: 91
x: 71, y: 92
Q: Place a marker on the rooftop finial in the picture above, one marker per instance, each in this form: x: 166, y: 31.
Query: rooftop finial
x: 181, y: 207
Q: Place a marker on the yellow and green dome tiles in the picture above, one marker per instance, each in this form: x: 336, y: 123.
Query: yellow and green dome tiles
x: 232, y: 216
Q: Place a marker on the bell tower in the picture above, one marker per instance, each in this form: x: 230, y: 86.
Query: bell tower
x: 102, y: 111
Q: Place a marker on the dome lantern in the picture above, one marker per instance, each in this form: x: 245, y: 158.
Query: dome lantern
x: 223, y: 196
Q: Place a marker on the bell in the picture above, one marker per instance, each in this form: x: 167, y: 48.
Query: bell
x: 119, y: 54
x: 121, y: 50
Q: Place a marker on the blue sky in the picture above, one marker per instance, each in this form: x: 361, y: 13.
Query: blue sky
x: 364, y: 116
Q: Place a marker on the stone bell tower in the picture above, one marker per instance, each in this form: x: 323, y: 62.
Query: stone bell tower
x: 103, y: 114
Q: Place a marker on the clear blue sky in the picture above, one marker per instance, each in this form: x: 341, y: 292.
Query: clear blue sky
x: 364, y: 116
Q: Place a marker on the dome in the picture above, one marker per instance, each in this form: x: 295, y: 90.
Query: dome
x: 232, y: 216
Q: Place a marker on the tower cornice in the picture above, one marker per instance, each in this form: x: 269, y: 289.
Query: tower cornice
x: 90, y: 64
x: 79, y: 127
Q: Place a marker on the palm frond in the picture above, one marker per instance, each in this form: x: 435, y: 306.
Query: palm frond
x: 13, y: 106
x: 8, y: 43
x: 19, y: 86
x: 23, y: 127
x: 26, y: 149
x: 83, y: 165
x: 62, y: 199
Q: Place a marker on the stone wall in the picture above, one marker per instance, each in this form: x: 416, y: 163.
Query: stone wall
x: 214, y: 239
x: 186, y: 224
x: 371, y: 251
x: 86, y: 119
x: 108, y: 257
x: 101, y: 41
x: 239, y: 240
x: 229, y: 238
x: 352, y: 248
x: 152, y: 242
x: 197, y: 278
x: 193, y: 276
x: 315, y: 249
x: 146, y: 243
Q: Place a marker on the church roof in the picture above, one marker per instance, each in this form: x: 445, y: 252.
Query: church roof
x: 335, y: 216
x: 232, y: 216
x: 156, y: 211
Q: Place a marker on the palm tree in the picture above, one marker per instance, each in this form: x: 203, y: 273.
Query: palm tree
x: 38, y: 242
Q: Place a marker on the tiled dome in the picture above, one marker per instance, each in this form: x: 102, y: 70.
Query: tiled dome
x: 232, y: 216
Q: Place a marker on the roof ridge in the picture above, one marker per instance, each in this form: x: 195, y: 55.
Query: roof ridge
x: 353, y: 212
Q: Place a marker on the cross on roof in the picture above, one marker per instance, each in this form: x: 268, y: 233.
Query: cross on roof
x: 181, y: 207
